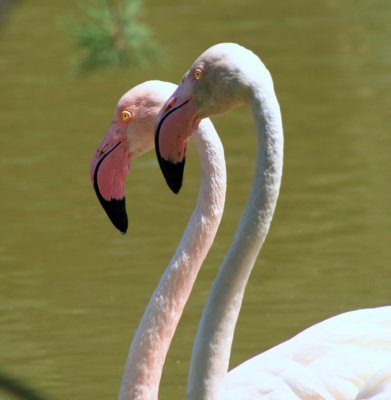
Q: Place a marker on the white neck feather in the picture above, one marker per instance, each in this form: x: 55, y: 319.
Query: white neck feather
x: 212, y: 347
x: 150, y: 344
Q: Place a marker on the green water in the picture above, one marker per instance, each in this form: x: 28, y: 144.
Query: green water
x: 73, y: 290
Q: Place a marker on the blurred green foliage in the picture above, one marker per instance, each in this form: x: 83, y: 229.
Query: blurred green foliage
x: 111, y: 34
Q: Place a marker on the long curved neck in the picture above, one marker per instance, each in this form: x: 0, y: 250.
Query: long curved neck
x: 150, y: 344
x: 212, y: 348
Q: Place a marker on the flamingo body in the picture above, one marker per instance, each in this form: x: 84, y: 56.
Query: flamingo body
x: 133, y: 125
x: 378, y: 386
x: 330, y: 360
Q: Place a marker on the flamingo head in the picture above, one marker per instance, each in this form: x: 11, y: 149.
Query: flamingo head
x: 129, y: 135
x: 218, y: 81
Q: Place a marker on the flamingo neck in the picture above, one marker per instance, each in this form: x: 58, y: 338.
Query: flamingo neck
x: 150, y: 344
x: 212, y: 347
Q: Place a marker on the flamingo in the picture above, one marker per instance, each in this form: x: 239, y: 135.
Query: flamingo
x: 330, y: 360
x: 378, y: 386
x: 131, y: 134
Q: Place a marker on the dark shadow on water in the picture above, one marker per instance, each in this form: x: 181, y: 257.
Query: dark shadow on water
x: 5, y: 8
x: 18, y: 388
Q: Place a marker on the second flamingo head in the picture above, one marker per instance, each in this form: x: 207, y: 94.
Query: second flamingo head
x: 129, y: 135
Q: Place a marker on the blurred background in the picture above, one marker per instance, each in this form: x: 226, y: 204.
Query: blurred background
x: 72, y: 289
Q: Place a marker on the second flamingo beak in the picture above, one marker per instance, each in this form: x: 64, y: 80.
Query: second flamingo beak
x: 108, y: 170
x: 175, y: 124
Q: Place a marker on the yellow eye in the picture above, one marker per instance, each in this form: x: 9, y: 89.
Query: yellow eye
x: 126, y: 116
x: 198, y: 74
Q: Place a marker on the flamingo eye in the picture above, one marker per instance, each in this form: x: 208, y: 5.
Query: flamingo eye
x: 126, y: 116
x: 198, y: 74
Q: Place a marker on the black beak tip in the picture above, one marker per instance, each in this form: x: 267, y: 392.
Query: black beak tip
x: 116, y: 211
x: 173, y: 173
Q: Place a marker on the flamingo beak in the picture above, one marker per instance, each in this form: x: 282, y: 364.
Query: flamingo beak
x: 108, y: 170
x: 174, y: 126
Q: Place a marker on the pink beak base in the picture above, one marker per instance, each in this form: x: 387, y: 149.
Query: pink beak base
x: 108, y: 172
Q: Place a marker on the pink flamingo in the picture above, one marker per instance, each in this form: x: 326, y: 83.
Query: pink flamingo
x: 330, y: 360
x: 129, y: 135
